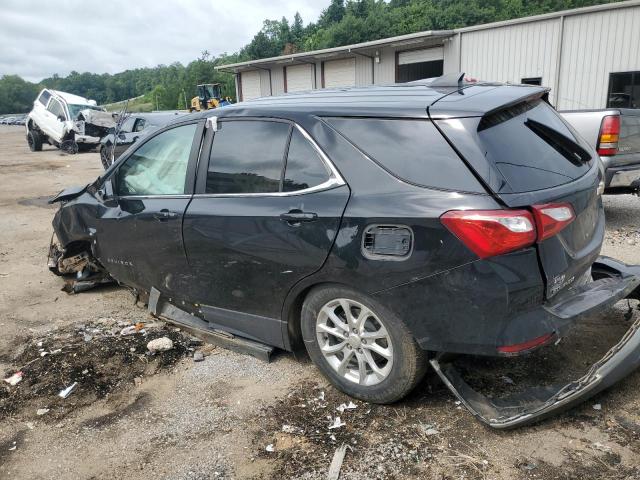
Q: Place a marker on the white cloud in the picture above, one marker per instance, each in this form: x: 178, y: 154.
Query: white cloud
x: 40, y: 38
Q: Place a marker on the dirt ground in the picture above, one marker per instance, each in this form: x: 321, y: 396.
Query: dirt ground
x: 140, y: 416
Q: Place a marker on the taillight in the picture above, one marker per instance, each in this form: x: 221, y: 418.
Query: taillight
x: 552, y: 218
x: 609, y: 135
x: 526, y: 346
x: 491, y: 232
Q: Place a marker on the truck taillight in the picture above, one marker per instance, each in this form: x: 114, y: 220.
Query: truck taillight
x: 609, y: 135
x: 488, y: 233
x: 552, y: 218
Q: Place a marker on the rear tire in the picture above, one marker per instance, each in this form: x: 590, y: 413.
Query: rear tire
x: 369, y: 353
x: 34, y: 140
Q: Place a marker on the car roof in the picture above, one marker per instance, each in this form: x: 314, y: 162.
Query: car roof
x: 71, y: 98
x: 409, y: 100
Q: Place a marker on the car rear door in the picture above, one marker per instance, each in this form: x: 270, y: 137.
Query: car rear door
x: 54, y: 118
x: 529, y: 156
x: 267, y: 207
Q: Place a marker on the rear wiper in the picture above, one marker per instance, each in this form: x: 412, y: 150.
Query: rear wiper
x: 561, y: 143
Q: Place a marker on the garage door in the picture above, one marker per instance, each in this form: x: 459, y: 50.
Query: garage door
x: 340, y: 73
x: 250, y: 82
x: 299, y: 78
x: 419, y: 64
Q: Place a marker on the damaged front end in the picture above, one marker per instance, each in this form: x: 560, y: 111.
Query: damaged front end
x: 613, y: 281
x: 75, y: 259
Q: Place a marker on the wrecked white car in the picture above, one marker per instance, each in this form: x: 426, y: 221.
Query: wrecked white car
x: 66, y: 121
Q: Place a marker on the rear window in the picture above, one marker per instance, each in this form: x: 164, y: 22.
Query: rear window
x: 411, y: 150
x: 532, y: 147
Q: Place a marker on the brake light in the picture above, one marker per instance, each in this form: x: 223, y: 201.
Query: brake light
x: 525, y: 346
x: 552, y: 218
x: 491, y: 232
x: 609, y: 135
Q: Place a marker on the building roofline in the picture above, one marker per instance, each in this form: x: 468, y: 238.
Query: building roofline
x: 344, y: 49
x: 433, y: 34
x: 551, y: 15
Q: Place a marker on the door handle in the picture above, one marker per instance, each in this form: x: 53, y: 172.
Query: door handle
x: 298, y: 216
x: 164, y: 215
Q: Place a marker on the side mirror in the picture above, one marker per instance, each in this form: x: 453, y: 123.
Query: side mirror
x: 105, y: 193
x: 61, y: 118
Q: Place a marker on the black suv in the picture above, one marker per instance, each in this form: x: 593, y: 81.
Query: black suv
x: 379, y: 227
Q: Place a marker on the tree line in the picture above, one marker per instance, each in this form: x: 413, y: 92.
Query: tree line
x: 341, y: 23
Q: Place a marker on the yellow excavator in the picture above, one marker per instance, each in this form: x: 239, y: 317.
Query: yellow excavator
x: 209, y: 96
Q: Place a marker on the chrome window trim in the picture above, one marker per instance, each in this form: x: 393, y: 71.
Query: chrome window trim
x: 139, y: 197
x: 335, y: 179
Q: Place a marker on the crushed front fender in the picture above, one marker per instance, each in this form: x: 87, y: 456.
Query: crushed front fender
x: 540, y: 402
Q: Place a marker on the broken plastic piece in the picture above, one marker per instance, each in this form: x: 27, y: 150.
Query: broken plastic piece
x: 14, y: 379
x: 337, y: 423
x: 64, y: 393
x: 336, y: 463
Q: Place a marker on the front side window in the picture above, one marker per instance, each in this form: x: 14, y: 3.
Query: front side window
x: 55, y: 108
x: 247, y: 157
x: 305, y: 168
x: 159, y: 166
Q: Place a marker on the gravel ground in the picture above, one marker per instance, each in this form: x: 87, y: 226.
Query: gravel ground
x: 215, y: 419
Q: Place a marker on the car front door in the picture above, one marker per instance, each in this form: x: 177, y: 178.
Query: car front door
x: 140, y: 228
x: 267, y: 207
x: 54, y: 120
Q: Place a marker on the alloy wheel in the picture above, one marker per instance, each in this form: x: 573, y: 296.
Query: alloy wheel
x: 354, y: 341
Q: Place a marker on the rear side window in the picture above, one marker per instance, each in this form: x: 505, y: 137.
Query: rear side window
x: 412, y: 150
x: 44, y: 97
x: 247, y: 157
x: 532, y: 147
x: 305, y: 168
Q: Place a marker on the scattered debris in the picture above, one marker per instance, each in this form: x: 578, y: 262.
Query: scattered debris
x: 292, y: 429
x: 162, y: 344
x: 343, y: 406
x: 597, y: 406
x: 130, y: 330
x: 508, y: 380
x: 336, y: 463
x: 601, y: 447
x: 42, y: 411
x: 65, y: 392
x: 337, y: 423
x: 269, y: 448
x: 14, y: 379
x: 198, y: 356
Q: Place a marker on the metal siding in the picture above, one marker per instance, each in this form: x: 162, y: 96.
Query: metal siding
x: 595, y: 45
x: 265, y: 88
x: 511, y: 53
x: 363, y: 71
x: 386, y: 69
x: 277, y: 79
x: 339, y: 73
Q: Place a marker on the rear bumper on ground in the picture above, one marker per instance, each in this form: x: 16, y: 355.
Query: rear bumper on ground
x: 538, y: 403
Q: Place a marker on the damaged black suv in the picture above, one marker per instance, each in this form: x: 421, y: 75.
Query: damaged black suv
x: 380, y: 227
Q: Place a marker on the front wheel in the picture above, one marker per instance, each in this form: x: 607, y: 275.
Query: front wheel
x: 34, y: 140
x: 360, y: 346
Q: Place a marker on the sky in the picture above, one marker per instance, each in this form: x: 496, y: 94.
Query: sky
x: 41, y: 37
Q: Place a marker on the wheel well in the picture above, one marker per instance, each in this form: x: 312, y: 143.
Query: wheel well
x: 294, y: 316
x: 76, y: 247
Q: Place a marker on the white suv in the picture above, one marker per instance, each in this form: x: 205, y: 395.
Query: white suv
x: 58, y: 118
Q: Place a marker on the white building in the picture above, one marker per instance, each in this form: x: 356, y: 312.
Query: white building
x: 589, y: 57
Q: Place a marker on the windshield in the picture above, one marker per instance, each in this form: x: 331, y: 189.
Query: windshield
x: 212, y: 90
x: 74, y: 109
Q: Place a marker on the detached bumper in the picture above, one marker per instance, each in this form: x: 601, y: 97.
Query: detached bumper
x: 540, y: 402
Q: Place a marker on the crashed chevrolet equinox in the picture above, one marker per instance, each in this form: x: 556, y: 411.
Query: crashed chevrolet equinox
x: 382, y: 228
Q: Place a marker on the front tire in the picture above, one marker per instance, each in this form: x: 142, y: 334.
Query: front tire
x: 360, y: 346
x: 34, y: 140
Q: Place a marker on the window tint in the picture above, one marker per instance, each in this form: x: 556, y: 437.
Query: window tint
x: 44, y: 97
x: 532, y: 147
x: 304, y: 167
x: 55, y: 108
x: 159, y: 166
x: 412, y: 150
x: 247, y: 157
